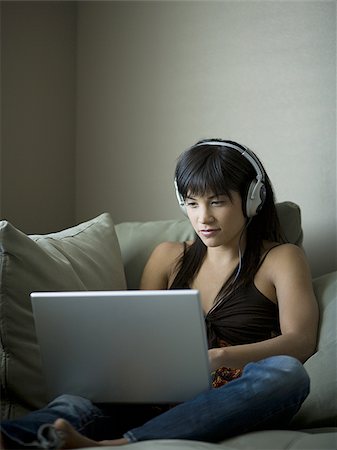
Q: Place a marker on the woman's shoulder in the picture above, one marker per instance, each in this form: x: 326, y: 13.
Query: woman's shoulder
x: 161, y: 265
x: 283, y: 257
x: 167, y: 253
x: 168, y: 248
x: 282, y: 266
x: 276, y: 250
x: 171, y: 248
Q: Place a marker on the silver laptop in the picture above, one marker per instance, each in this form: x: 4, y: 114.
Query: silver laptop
x: 123, y: 346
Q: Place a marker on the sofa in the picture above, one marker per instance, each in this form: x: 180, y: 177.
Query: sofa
x: 99, y: 255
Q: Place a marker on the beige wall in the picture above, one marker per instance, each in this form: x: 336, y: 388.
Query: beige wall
x: 38, y: 44
x: 99, y: 99
x: 155, y: 77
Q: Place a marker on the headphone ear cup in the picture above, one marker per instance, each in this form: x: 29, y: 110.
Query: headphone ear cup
x: 256, y: 196
x: 183, y: 209
x: 180, y: 198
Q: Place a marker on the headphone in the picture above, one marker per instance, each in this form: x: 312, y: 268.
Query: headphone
x: 256, y: 194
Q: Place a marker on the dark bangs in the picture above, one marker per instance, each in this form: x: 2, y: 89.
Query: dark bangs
x: 210, y: 169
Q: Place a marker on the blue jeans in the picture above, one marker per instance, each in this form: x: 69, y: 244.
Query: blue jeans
x: 267, y: 395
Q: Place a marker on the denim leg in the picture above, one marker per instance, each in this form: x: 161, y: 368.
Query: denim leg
x: 35, y: 430
x: 267, y: 395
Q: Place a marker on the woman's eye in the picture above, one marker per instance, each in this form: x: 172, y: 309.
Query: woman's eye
x: 191, y: 204
x: 217, y: 202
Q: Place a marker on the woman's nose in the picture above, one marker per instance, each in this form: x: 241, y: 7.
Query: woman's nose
x: 205, y: 215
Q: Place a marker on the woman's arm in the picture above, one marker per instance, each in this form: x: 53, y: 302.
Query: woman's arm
x: 160, y: 267
x: 288, y: 271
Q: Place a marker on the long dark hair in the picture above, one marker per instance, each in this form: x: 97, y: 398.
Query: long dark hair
x: 219, y: 169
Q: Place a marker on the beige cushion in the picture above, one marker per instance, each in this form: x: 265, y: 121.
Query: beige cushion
x: 85, y: 257
x: 261, y: 440
x: 320, y: 407
x: 138, y: 239
x: 324, y: 439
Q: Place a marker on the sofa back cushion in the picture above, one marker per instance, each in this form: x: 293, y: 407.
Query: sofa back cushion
x: 138, y: 239
x: 85, y: 257
x: 320, y: 407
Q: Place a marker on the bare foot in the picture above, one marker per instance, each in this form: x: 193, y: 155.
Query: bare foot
x: 73, y: 439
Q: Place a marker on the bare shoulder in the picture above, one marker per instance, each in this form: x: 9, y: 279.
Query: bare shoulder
x: 168, y: 250
x: 289, y: 254
x: 161, y: 265
x: 288, y: 264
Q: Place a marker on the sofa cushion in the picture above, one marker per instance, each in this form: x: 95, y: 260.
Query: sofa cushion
x: 320, y: 407
x: 325, y: 439
x: 85, y: 257
x: 289, y: 214
x: 138, y: 239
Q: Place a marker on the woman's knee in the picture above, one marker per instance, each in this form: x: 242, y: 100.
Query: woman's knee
x: 69, y: 399
x: 72, y: 404
x: 281, y: 372
x: 289, y: 367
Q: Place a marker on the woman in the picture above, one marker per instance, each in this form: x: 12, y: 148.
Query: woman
x: 259, y: 306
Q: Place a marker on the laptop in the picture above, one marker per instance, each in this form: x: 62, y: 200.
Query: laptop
x: 123, y: 346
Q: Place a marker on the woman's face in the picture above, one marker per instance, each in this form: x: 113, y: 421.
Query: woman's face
x: 217, y: 219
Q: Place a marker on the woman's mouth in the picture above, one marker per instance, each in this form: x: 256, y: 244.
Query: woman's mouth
x: 209, y: 232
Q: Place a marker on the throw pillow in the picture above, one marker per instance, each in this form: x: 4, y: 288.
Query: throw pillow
x: 85, y: 257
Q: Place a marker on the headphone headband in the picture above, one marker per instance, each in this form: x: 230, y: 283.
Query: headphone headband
x: 244, y: 151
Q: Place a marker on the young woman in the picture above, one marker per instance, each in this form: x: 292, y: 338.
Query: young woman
x: 260, y: 312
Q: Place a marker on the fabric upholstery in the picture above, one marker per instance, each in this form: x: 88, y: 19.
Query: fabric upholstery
x: 320, y: 407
